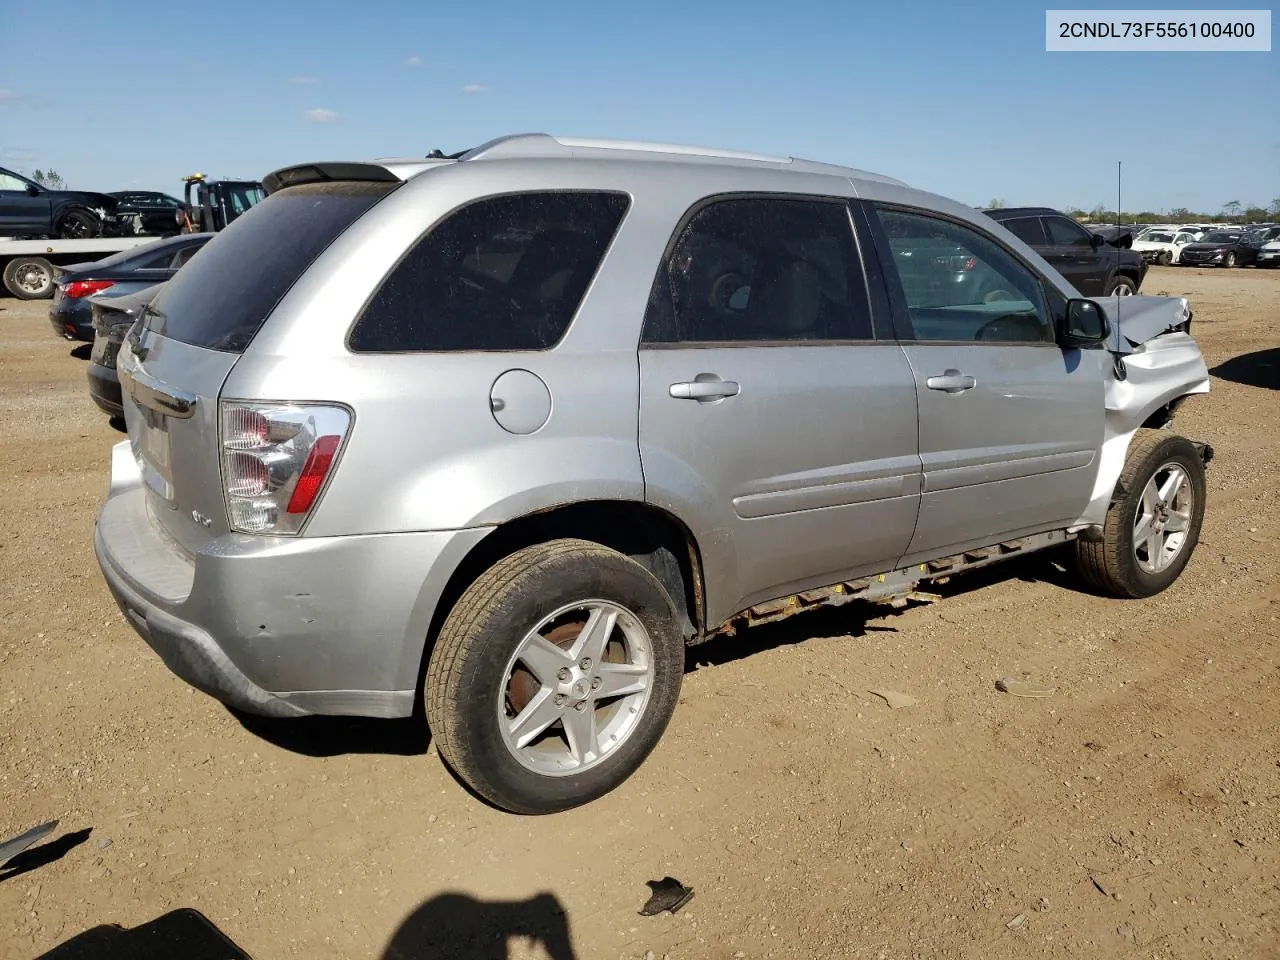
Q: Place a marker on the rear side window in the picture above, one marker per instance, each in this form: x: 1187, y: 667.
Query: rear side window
x: 1026, y: 229
x: 221, y: 298
x: 503, y: 273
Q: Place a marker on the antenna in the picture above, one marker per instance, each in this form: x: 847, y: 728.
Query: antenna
x: 1118, y: 162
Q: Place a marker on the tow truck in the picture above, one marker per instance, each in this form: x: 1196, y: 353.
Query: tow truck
x: 29, y: 268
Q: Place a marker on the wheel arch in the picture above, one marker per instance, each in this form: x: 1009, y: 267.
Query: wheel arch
x: 651, y: 536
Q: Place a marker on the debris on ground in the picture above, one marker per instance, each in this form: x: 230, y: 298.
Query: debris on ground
x: 1023, y: 688
x: 895, y: 699
x: 668, y: 894
x: 1017, y: 921
x: 11, y: 848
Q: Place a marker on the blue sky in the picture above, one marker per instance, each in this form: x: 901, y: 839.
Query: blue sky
x: 959, y: 98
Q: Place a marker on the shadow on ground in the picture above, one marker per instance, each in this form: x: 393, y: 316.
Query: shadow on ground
x: 82, y: 352
x: 458, y: 927
x: 36, y: 857
x: 319, y: 736
x: 184, y: 933
x: 1258, y: 369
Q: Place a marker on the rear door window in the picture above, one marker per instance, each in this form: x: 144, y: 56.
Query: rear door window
x: 222, y: 297
x: 1027, y: 229
x: 502, y: 273
x: 1066, y: 233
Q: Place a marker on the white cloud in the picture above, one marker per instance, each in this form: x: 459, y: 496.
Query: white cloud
x: 8, y: 96
x: 414, y: 61
x: 321, y: 115
x: 475, y: 88
x: 304, y: 81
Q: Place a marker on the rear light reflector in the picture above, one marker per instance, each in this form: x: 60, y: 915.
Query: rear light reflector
x: 83, y: 288
x: 276, y: 458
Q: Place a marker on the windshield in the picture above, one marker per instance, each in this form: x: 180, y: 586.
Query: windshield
x: 1158, y: 238
x: 1220, y: 236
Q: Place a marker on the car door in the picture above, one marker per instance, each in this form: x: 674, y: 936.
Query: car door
x: 1076, y: 254
x: 22, y: 209
x: 772, y: 422
x: 1010, y: 423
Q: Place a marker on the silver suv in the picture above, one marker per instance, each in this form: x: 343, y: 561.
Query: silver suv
x: 509, y: 429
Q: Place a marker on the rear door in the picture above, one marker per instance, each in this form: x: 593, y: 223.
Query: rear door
x: 1074, y: 254
x: 1010, y: 423
x: 771, y: 419
x: 194, y: 331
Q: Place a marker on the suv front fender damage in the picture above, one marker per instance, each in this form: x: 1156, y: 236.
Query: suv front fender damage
x: 1156, y: 365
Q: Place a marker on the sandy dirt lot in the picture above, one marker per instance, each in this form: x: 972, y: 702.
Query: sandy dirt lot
x: 1134, y: 813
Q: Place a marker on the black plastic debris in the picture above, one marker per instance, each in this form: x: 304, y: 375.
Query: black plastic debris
x: 11, y: 848
x: 668, y: 894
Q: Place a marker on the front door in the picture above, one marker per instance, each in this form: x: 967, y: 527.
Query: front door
x: 772, y: 422
x: 1010, y: 423
x: 21, y: 210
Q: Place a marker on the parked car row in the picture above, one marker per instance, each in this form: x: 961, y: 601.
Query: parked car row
x: 1217, y: 246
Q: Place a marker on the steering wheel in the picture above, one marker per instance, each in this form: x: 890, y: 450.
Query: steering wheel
x: 1014, y: 326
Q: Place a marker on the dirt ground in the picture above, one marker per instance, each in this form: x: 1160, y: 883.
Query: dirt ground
x: 1133, y: 813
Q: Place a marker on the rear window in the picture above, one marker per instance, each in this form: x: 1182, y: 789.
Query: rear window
x: 503, y: 273
x: 221, y: 298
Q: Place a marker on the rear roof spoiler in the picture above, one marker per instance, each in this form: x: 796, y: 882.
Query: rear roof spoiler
x: 318, y: 172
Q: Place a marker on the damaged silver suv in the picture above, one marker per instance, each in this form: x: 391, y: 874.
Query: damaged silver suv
x: 508, y: 430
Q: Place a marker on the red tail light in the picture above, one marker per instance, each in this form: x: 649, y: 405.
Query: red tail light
x: 313, y: 473
x: 83, y: 288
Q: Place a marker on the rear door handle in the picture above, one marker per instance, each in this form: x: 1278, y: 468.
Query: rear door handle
x: 953, y: 381
x: 704, y: 390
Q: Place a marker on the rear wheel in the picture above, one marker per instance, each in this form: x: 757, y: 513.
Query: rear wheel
x: 1121, y: 287
x: 29, y: 278
x: 1153, y: 524
x: 554, y: 676
x: 79, y: 225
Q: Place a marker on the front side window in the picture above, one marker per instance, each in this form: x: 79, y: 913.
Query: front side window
x: 751, y: 269
x: 1066, y: 233
x: 958, y: 284
x: 503, y: 273
x: 9, y: 182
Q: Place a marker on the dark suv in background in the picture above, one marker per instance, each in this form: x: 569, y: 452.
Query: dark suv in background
x: 28, y: 209
x: 1093, y: 266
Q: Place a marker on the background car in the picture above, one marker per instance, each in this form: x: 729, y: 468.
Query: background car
x: 1092, y: 265
x: 1219, y: 248
x: 28, y: 209
x: 112, y: 318
x: 122, y: 273
x: 1163, y: 246
x: 151, y: 211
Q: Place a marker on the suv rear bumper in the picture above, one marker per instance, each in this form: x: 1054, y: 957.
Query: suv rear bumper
x: 279, y: 626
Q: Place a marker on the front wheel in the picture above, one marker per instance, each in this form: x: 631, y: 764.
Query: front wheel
x: 1121, y: 287
x: 29, y: 278
x: 1229, y: 260
x: 79, y: 225
x: 554, y: 676
x: 1165, y: 258
x: 1153, y: 524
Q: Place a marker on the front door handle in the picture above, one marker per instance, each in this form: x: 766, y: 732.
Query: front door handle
x: 705, y: 387
x: 953, y: 381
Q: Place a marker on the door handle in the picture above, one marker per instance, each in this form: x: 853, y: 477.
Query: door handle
x: 704, y: 389
x: 953, y: 381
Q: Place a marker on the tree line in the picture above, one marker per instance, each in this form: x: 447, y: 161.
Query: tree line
x: 1232, y: 212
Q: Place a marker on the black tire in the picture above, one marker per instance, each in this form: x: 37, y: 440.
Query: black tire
x: 1230, y: 259
x: 467, y: 674
x: 1165, y: 258
x: 1117, y: 283
x: 1111, y: 563
x: 29, y: 278
x: 79, y: 225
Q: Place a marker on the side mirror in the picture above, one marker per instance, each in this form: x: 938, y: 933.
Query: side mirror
x: 33, y: 190
x: 1095, y: 240
x: 1085, y: 324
